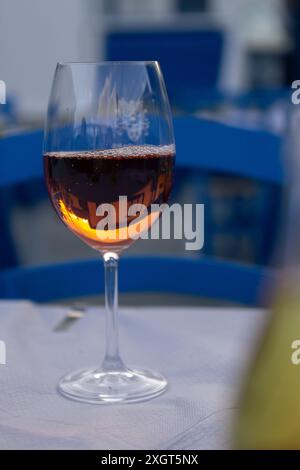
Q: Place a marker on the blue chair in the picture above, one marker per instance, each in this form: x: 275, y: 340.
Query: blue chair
x: 21, y: 162
x: 208, y: 278
x: 203, y: 276
x: 206, y: 148
x: 8, y: 111
x: 21, y: 158
x: 200, y: 144
x: 212, y: 146
x: 21, y: 153
x: 190, y: 59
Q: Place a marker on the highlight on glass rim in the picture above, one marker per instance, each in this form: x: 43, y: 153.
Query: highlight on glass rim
x: 150, y: 255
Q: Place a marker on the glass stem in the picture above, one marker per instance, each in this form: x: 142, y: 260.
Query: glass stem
x: 112, y: 361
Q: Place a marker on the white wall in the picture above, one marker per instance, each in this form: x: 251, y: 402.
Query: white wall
x: 251, y: 24
x: 34, y: 36
x: 259, y: 23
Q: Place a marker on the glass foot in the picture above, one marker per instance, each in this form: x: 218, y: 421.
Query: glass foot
x: 102, y: 387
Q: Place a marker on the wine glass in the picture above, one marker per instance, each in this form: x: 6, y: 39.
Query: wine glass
x: 109, y: 143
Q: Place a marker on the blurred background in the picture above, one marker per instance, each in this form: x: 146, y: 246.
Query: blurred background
x: 228, y: 63
x: 228, y: 67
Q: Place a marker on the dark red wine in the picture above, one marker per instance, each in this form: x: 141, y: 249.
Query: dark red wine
x: 78, y: 182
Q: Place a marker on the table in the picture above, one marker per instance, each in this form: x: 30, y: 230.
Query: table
x: 203, y: 352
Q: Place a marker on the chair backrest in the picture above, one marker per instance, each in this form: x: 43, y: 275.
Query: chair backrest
x: 190, y: 59
x: 203, y: 145
x: 213, y: 146
x: 21, y: 158
x: 251, y: 168
x: 200, y: 144
x: 209, y: 278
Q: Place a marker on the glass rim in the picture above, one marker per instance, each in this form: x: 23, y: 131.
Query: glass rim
x: 109, y: 62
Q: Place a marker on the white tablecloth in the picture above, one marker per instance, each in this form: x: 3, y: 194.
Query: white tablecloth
x: 202, y: 351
